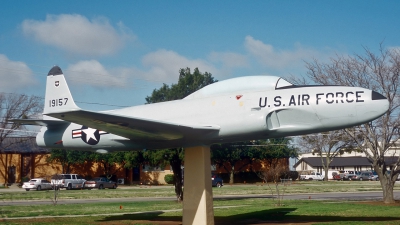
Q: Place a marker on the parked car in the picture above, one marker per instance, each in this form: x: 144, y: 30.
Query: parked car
x: 100, y: 183
x: 352, y: 176
x: 331, y: 173
x: 37, y: 184
x: 341, y: 176
x: 68, y: 181
x: 347, y: 171
x: 216, y: 181
x: 345, y: 175
x: 375, y: 176
x: 364, y: 176
x: 356, y: 175
x: 336, y: 176
x: 312, y: 176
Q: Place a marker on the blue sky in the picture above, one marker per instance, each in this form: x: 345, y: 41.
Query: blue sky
x: 117, y: 52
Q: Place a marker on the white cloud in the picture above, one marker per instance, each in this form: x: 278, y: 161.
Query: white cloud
x: 277, y: 59
x: 161, y: 67
x: 229, y: 60
x: 91, y: 72
x: 14, y: 75
x: 76, y: 34
x: 164, y: 65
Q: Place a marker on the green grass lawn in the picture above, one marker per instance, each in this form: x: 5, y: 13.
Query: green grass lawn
x: 244, y: 211
x: 229, y: 211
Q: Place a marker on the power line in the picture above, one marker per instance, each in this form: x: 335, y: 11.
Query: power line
x: 36, y: 73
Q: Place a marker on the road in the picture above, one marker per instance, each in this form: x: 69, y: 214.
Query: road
x: 360, y: 196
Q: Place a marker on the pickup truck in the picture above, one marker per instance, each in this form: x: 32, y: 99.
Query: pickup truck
x: 312, y: 176
x: 67, y: 181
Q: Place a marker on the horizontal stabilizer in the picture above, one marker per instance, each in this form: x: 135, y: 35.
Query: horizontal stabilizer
x: 45, y: 123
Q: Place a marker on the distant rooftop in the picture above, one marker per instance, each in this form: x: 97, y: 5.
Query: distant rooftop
x: 22, y: 145
x: 343, y: 161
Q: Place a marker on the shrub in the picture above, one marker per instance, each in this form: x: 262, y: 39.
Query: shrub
x: 169, y: 178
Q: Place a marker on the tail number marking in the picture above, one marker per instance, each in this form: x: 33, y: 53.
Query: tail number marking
x: 58, y: 102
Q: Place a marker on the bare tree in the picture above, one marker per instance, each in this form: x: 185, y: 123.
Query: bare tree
x: 327, y: 146
x: 379, y: 72
x: 273, y: 176
x: 14, y: 106
x: 56, y: 180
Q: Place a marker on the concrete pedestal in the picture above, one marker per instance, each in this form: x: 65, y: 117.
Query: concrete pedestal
x: 197, y: 195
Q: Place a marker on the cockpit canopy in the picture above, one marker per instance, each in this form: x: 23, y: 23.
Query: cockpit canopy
x: 241, y: 85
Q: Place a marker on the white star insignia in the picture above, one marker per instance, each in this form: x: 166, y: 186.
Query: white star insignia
x: 89, y: 134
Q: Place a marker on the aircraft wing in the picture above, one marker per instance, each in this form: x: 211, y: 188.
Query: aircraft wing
x: 39, y: 122
x: 134, y: 128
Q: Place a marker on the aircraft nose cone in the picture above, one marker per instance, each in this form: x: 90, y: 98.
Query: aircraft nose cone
x: 374, y: 108
x: 380, y: 101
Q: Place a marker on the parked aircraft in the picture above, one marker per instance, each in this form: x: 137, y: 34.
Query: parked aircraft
x: 238, y: 109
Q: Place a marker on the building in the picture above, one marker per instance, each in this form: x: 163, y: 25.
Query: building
x: 353, y: 161
x: 25, y: 160
x: 17, y: 159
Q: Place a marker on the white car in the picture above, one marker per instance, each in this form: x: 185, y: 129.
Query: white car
x: 37, y: 184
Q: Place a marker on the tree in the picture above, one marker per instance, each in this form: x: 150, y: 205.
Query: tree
x: 109, y: 161
x: 227, y: 155
x: 274, y: 149
x: 274, y: 175
x: 132, y: 159
x: 68, y: 158
x: 15, y: 106
x: 188, y: 83
x: 174, y: 158
x: 379, y: 72
x: 327, y: 146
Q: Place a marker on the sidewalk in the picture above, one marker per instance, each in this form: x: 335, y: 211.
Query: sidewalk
x: 12, y: 187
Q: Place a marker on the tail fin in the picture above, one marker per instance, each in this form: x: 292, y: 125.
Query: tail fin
x: 58, y: 97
